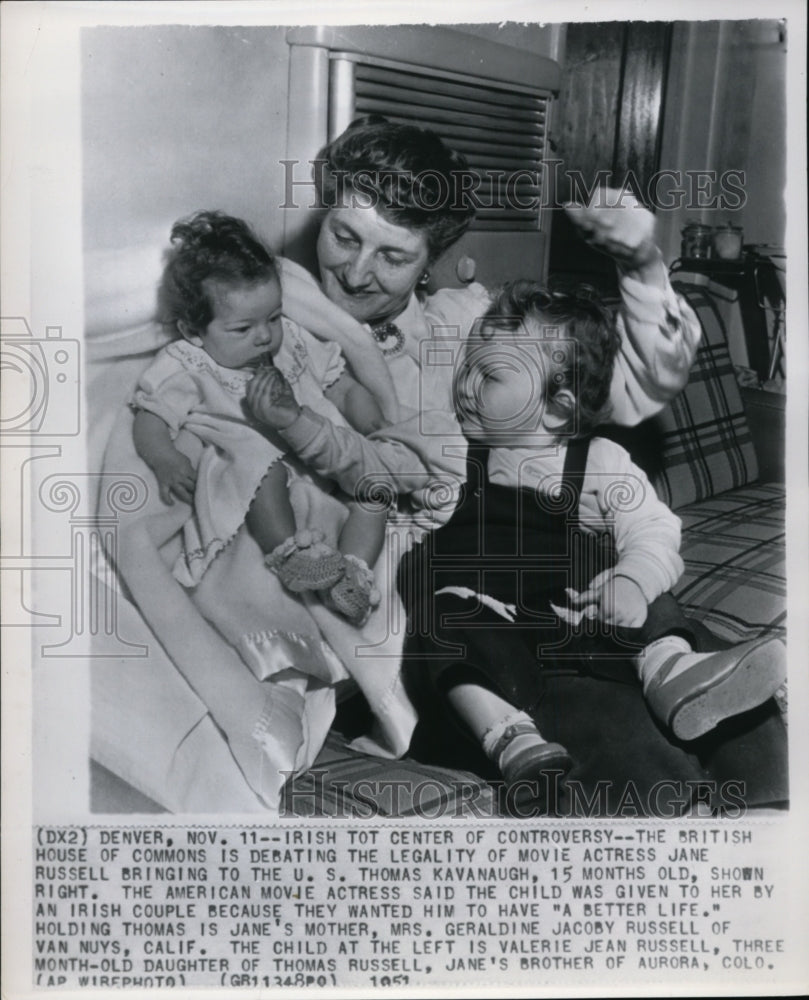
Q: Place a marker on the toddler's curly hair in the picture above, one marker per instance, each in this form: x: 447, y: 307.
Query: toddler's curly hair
x: 578, y: 340
x: 209, y: 246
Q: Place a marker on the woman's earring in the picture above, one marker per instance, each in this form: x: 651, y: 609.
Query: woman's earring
x: 425, y: 277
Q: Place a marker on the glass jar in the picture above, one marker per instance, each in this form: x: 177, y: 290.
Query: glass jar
x: 727, y: 241
x: 696, y: 242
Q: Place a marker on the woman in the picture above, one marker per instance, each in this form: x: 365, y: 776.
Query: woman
x: 375, y: 249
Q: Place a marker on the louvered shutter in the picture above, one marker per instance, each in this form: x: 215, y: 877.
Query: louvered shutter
x: 500, y: 128
x: 488, y: 100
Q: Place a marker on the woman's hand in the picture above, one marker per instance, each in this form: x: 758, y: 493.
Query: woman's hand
x: 613, y: 599
x: 175, y: 475
x: 617, y: 224
x: 271, y: 399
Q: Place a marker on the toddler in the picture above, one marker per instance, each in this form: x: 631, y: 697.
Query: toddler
x: 222, y: 295
x: 558, y: 535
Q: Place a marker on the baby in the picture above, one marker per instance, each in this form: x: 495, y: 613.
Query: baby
x: 222, y: 296
x: 556, y: 526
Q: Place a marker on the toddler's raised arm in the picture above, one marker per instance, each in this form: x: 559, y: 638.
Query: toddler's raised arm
x: 659, y: 330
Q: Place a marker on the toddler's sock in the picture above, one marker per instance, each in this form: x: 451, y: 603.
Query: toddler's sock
x: 692, y: 692
x: 518, y: 749
x: 657, y: 653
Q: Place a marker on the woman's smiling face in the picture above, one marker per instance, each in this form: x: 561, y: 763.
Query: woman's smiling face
x: 369, y: 266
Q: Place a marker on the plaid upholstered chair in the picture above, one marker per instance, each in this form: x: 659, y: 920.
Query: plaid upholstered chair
x: 708, y: 472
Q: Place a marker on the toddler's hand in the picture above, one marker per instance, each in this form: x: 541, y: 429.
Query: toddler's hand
x: 617, y: 224
x: 271, y: 399
x: 175, y: 475
x: 622, y: 603
x: 614, y: 600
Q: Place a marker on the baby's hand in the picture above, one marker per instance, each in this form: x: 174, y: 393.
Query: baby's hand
x: 614, y: 600
x: 175, y: 475
x: 617, y: 224
x: 271, y: 399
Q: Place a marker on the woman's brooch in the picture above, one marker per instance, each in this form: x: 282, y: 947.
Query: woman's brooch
x: 389, y: 337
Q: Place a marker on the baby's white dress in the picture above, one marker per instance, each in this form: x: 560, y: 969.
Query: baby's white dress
x: 187, y: 389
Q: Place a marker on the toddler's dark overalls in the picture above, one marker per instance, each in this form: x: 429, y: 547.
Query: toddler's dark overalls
x: 522, y: 548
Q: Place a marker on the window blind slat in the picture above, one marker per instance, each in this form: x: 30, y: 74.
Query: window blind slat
x: 504, y: 214
x: 475, y: 128
x: 502, y: 111
x: 527, y: 222
x: 483, y: 92
x: 494, y: 196
x: 466, y: 126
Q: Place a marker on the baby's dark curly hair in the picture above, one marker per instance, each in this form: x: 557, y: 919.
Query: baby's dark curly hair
x: 579, y: 341
x: 408, y: 174
x: 209, y: 246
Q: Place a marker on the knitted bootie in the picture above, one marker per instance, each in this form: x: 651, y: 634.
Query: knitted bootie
x: 354, y: 596
x: 306, y: 562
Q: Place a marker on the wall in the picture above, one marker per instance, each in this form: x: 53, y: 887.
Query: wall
x: 725, y: 110
x: 179, y: 118
x: 543, y: 39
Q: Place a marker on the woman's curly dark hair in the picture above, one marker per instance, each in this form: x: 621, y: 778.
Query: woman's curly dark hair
x: 209, y: 246
x: 405, y: 172
x: 578, y: 340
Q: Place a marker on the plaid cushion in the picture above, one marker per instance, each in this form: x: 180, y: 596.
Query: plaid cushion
x: 343, y: 783
x: 734, y: 552
x: 702, y: 442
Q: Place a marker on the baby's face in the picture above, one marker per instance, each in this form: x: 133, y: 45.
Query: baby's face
x: 246, y: 323
x: 499, y: 389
